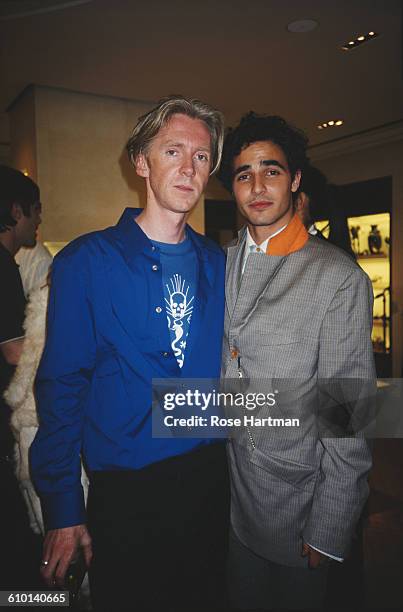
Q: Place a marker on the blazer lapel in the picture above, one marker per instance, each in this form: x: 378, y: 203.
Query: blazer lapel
x: 233, y: 272
x: 260, y: 272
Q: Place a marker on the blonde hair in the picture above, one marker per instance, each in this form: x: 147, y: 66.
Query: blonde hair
x: 150, y: 124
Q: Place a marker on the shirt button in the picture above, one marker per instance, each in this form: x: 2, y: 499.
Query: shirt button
x: 165, y: 354
x: 258, y: 250
x: 234, y: 353
x: 154, y: 267
x: 153, y: 248
x: 158, y: 309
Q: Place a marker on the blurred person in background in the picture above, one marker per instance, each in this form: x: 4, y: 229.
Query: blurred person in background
x: 20, y: 216
x: 317, y: 200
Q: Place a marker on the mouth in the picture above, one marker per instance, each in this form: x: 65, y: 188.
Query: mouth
x: 260, y: 205
x: 184, y: 188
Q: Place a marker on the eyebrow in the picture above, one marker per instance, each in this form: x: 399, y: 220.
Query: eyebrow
x: 263, y: 162
x: 173, y: 143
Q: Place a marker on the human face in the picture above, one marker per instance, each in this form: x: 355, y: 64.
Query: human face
x: 263, y: 188
x: 28, y: 226
x: 177, y: 164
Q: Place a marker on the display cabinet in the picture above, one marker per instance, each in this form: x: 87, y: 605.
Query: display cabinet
x: 370, y: 240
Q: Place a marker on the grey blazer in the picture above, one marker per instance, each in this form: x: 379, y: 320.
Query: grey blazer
x: 293, y: 320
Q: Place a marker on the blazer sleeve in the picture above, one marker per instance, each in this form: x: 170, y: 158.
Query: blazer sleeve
x: 345, y: 363
x: 62, y: 387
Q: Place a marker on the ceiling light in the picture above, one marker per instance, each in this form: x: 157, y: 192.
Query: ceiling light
x: 330, y: 123
x: 360, y: 40
x: 301, y: 26
x: 25, y: 172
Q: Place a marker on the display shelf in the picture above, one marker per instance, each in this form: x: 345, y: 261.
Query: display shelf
x: 372, y: 232
x: 374, y: 256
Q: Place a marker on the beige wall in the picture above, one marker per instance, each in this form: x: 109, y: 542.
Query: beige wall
x: 74, y: 146
x: 368, y: 163
x: 23, y: 134
x: 83, y: 172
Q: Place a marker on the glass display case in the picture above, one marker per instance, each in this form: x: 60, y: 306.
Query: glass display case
x: 370, y: 240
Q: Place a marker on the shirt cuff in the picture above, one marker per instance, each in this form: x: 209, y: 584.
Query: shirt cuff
x: 63, y: 509
x: 340, y: 559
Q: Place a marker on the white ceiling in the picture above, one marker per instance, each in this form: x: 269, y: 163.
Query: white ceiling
x: 235, y: 54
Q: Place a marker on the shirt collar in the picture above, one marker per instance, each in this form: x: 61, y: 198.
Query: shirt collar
x: 263, y: 246
x: 135, y: 241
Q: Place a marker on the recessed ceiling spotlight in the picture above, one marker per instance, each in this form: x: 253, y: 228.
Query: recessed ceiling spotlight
x: 360, y: 40
x: 331, y: 123
x: 301, y: 26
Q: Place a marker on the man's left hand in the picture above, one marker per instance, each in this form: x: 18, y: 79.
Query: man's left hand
x: 315, y: 558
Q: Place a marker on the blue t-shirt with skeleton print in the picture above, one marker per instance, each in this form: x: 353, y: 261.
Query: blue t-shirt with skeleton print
x: 179, y: 279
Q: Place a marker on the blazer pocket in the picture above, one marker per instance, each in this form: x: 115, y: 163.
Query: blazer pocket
x: 298, y: 475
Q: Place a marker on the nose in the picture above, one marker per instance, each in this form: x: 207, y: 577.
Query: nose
x: 188, y: 168
x: 258, y: 185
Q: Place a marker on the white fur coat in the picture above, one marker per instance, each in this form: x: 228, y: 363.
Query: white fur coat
x: 20, y: 397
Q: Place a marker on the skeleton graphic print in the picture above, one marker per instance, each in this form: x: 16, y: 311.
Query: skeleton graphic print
x: 179, y: 309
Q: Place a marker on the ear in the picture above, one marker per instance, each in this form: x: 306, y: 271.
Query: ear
x: 16, y: 211
x: 141, y: 165
x: 296, y: 181
x: 301, y: 201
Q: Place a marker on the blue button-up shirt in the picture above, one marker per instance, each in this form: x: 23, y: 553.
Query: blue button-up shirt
x: 107, y: 338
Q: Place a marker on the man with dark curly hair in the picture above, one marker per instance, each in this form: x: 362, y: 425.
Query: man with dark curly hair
x: 298, y: 312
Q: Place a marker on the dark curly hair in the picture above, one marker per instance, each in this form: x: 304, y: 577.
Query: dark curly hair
x: 255, y: 128
x: 314, y: 184
x: 15, y: 187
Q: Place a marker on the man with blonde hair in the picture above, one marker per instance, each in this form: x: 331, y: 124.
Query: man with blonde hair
x: 137, y: 301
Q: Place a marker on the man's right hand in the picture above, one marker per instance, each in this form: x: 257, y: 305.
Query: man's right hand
x: 60, y: 548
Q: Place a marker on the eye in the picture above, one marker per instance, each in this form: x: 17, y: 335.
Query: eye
x: 202, y: 157
x: 242, y: 177
x: 171, y: 152
x: 272, y: 172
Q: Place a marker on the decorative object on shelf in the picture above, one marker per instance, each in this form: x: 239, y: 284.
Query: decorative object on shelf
x: 374, y: 240
x: 378, y: 345
x: 376, y: 279
x: 355, y: 238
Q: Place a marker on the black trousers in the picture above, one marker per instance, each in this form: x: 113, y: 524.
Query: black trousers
x: 21, y: 549
x: 259, y: 584
x: 160, y: 534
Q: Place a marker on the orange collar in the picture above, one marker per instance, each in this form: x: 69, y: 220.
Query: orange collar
x: 291, y: 239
